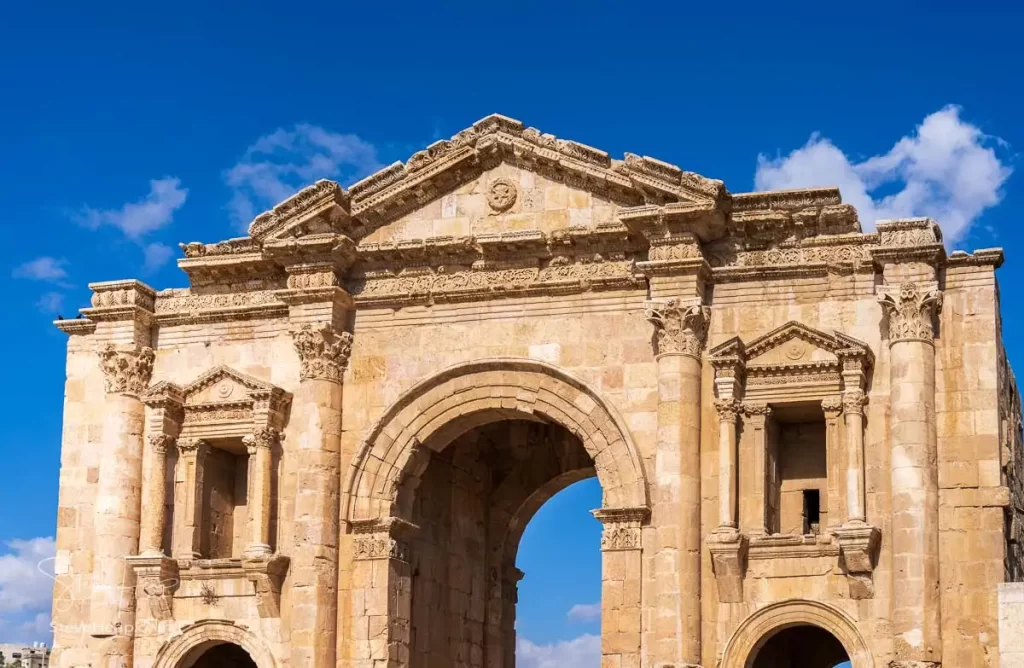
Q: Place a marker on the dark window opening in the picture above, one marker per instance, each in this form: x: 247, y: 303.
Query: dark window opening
x: 812, y: 511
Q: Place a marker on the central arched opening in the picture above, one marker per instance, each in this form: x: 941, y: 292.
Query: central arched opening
x: 474, y: 499
x: 800, y: 646
x: 222, y: 655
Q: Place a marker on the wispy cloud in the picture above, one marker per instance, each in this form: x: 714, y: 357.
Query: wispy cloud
x: 581, y: 652
x: 947, y: 169
x: 585, y: 612
x: 51, y: 303
x: 278, y: 164
x: 143, y: 216
x: 42, y: 269
x: 26, y: 575
x: 156, y: 255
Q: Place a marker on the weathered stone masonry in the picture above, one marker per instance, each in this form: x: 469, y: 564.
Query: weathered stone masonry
x: 325, y: 450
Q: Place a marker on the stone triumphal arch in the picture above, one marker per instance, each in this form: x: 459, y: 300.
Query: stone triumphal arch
x: 324, y: 451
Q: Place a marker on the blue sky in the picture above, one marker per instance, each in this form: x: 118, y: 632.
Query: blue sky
x: 128, y: 128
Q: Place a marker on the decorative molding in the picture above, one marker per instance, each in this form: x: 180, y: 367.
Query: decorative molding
x: 682, y: 329
x: 728, y: 410
x: 323, y: 353
x: 263, y: 437
x: 622, y: 527
x: 266, y: 575
x: 854, y: 401
x: 728, y: 549
x: 156, y: 580
x: 126, y: 371
x: 379, y: 546
x: 161, y: 443
x: 832, y: 406
x: 911, y: 309
x: 858, y: 544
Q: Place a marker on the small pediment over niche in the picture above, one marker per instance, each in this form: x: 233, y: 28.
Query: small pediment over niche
x: 223, y: 384
x: 793, y: 343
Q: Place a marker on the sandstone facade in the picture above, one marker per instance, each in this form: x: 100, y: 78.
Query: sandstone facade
x: 324, y: 452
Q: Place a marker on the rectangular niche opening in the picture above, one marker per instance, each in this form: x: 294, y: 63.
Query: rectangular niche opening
x: 225, y: 500
x: 798, y: 470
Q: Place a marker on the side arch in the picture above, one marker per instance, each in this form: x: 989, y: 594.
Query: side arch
x: 442, y: 407
x: 203, y: 635
x: 758, y: 627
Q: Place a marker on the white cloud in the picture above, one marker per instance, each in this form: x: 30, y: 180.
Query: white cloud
x: 585, y: 612
x: 42, y: 269
x: 581, y: 652
x: 38, y: 628
x: 279, y: 164
x: 156, y: 255
x: 146, y: 215
x: 947, y: 169
x: 50, y: 302
x: 26, y: 575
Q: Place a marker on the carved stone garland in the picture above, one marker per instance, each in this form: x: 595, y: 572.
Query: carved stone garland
x: 681, y: 328
x: 323, y: 353
x: 910, y: 310
x: 126, y: 371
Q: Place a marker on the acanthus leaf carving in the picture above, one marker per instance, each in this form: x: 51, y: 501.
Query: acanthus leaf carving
x: 681, y: 328
x: 161, y: 443
x: 126, y: 371
x: 910, y: 310
x: 263, y: 437
x: 323, y: 352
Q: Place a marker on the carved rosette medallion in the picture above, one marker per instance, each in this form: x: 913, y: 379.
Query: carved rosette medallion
x: 728, y: 409
x: 682, y: 329
x: 261, y: 438
x: 323, y: 352
x: 910, y: 310
x: 502, y: 194
x: 161, y: 443
x: 126, y: 371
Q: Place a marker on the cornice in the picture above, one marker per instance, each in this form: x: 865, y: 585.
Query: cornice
x: 75, y: 326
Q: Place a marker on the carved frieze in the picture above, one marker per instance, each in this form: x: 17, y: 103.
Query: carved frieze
x: 126, y: 371
x: 379, y: 546
x: 681, y: 328
x: 911, y: 309
x: 622, y: 528
x: 323, y: 352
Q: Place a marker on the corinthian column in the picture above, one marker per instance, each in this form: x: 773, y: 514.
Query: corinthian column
x: 315, y: 450
x: 118, y: 501
x: 675, y: 634
x: 259, y: 446
x: 915, y: 536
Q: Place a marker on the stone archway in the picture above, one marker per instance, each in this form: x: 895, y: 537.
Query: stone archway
x: 392, y: 473
x: 185, y: 649
x: 757, y: 629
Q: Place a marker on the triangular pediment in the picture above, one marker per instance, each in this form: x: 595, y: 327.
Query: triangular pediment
x: 796, y: 343
x: 447, y: 166
x: 223, y: 384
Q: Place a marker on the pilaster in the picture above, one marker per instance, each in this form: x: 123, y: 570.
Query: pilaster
x: 621, y: 584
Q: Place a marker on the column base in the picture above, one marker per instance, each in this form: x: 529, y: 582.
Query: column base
x: 156, y: 580
x: 728, y: 549
x: 257, y: 551
x: 858, y: 549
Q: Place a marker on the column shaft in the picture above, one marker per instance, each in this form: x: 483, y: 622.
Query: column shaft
x: 155, y: 495
x: 188, y: 529
x: 727, y: 479
x: 854, y: 417
x: 259, y: 447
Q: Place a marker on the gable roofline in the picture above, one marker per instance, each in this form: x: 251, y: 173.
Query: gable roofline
x: 380, y: 197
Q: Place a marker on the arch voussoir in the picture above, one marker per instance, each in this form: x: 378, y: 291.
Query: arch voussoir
x: 467, y: 395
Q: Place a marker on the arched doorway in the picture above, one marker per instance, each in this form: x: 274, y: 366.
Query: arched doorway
x: 803, y: 632
x: 441, y: 492
x: 802, y: 646
x: 225, y: 655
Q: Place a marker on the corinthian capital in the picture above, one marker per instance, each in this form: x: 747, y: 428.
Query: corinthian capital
x: 728, y: 409
x: 323, y: 352
x: 126, y: 371
x: 682, y: 328
x: 261, y: 438
x: 910, y: 310
x: 161, y: 443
